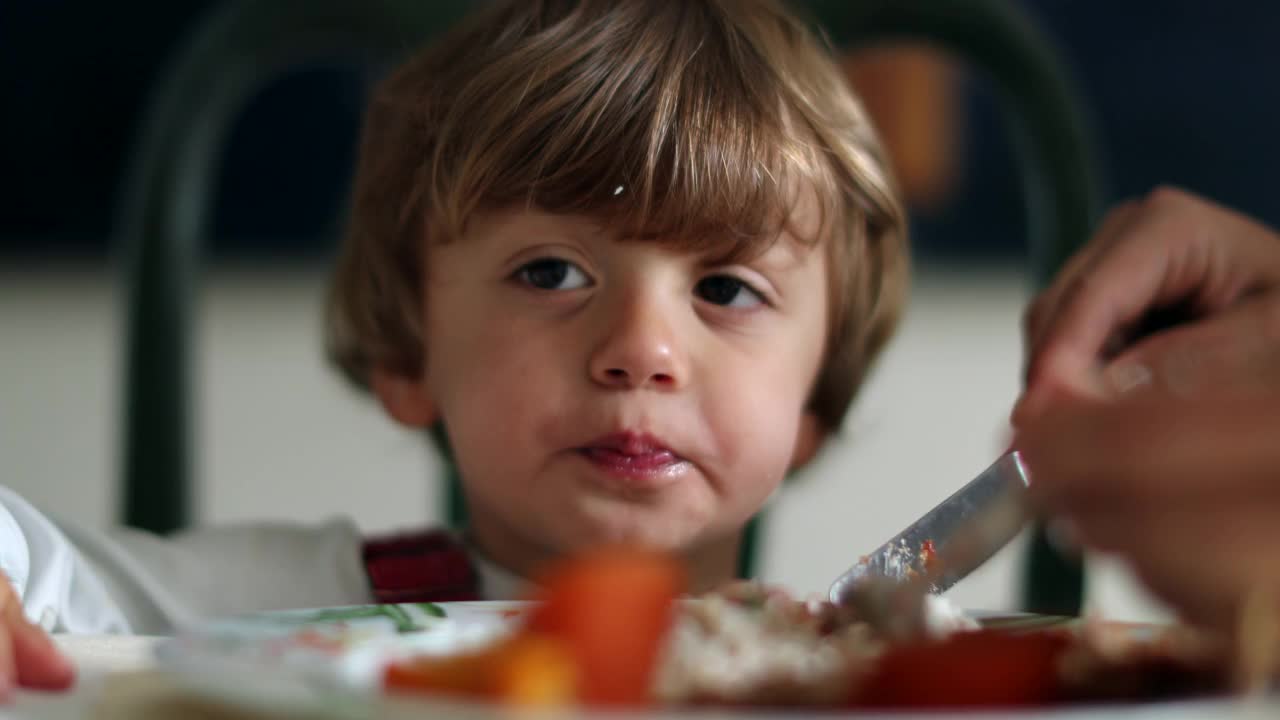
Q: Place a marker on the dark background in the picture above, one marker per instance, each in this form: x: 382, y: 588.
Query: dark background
x: 1179, y: 92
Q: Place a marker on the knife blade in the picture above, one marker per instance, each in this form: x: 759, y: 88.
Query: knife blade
x: 954, y: 538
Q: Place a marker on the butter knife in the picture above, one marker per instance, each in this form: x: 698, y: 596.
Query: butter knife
x: 951, y: 540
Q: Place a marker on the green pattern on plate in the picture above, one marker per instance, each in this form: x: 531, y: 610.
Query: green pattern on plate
x: 432, y: 609
x: 398, y: 615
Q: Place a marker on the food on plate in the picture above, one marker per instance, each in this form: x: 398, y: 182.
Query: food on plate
x: 612, y: 609
x: 999, y: 668
x: 751, y: 644
x: 611, y: 628
x: 528, y: 669
x: 978, y: 668
x: 601, y: 622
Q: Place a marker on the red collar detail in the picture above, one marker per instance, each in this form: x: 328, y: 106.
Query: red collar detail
x: 430, y: 566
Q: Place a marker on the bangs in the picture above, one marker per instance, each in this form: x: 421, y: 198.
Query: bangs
x: 710, y: 125
x: 667, y: 126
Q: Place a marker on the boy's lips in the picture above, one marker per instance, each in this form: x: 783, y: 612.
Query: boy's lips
x: 635, y: 457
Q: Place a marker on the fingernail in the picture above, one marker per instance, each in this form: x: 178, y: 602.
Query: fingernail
x: 1128, y: 377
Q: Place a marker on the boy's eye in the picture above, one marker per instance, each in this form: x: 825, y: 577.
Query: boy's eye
x: 728, y: 291
x: 552, y: 274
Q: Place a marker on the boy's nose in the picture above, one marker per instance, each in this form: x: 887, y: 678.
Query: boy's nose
x: 639, y: 350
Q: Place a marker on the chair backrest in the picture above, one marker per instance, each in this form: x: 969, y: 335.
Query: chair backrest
x: 247, y: 43
x: 235, y: 52
x: 1055, y: 150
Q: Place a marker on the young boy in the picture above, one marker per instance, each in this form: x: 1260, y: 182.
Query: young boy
x: 634, y: 258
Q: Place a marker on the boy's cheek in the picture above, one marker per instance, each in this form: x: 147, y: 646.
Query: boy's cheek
x: 759, y: 425
x: 810, y: 437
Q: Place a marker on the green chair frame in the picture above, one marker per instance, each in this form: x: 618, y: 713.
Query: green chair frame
x: 247, y: 44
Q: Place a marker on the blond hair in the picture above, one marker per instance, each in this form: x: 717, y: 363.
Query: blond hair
x: 712, y: 116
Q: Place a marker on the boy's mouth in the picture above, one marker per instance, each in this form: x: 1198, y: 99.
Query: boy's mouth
x: 633, y: 455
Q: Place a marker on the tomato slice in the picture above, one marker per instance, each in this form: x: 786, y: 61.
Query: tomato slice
x: 984, y: 668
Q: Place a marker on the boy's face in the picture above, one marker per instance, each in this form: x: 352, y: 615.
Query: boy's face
x: 597, y: 390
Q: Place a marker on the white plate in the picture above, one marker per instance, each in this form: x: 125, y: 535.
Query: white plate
x: 324, y: 660
x: 328, y: 662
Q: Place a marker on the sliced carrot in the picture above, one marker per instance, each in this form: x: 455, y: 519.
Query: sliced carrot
x: 526, y: 669
x: 612, y: 607
x: 536, y: 671
x: 467, y: 674
x: 595, y: 638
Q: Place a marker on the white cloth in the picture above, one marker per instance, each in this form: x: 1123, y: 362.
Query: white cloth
x: 123, y: 581
x: 75, y: 580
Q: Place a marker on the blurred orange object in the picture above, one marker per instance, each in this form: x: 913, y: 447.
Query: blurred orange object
x: 527, y: 669
x: 985, y: 668
x: 912, y: 94
x: 594, y: 638
x: 612, y: 607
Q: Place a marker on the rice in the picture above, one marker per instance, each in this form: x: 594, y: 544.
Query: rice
x: 748, y: 644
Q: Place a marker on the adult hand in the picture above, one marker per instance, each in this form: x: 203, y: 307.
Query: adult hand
x: 1186, y: 488
x: 28, y: 656
x: 1169, y: 248
x: 1164, y: 448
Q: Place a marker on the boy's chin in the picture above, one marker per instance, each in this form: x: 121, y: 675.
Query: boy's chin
x: 677, y: 539
x: 606, y: 520
x: 663, y: 538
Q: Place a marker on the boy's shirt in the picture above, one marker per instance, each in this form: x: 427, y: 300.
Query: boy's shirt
x: 75, y: 580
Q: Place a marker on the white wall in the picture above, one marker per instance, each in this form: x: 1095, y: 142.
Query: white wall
x: 280, y: 436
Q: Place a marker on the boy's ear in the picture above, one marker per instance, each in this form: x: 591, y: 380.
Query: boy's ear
x: 404, y: 397
x: 808, y: 440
